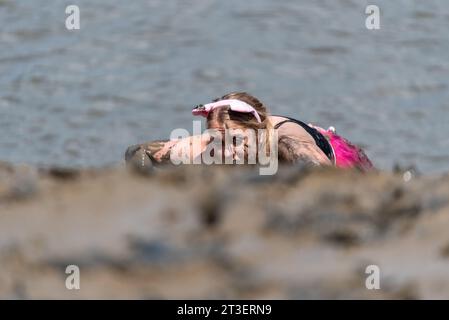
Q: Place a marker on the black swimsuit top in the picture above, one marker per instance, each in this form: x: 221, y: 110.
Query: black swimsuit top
x: 319, y: 138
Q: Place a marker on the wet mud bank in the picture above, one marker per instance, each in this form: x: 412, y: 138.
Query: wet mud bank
x: 217, y: 232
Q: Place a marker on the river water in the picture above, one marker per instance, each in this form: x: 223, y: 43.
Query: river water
x: 136, y: 68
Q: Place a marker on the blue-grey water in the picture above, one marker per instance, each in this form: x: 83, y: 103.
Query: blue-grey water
x: 135, y: 69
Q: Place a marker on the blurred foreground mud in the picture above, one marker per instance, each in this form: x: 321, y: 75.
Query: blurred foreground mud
x: 217, y: 232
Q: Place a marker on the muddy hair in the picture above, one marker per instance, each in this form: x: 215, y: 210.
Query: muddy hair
x: 225, y: 118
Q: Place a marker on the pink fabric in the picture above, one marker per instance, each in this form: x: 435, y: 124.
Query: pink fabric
x: 346, y: 154
x: 234, y: 104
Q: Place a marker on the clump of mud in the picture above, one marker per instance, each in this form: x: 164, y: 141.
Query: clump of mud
x: 222, y: 232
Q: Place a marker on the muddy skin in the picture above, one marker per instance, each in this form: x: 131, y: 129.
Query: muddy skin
x: 140, y: 157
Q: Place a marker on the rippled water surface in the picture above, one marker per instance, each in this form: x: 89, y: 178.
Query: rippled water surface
x: 136, y: 68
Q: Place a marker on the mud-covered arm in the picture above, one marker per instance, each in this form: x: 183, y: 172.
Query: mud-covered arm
x: 160, y: 152
x: 140, y: 153
x: 294, y: 151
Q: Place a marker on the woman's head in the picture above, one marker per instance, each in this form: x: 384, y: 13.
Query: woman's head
x: 225, y: 118
x: 249, y: 120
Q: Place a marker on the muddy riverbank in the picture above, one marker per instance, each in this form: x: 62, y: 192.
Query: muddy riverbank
x: 222, y: 233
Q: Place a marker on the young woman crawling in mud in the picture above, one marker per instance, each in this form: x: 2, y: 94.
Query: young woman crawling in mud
x: 297, y: 142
